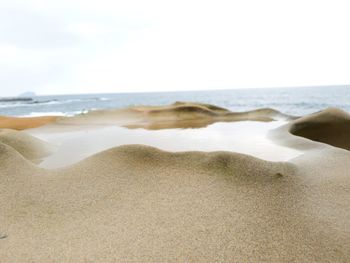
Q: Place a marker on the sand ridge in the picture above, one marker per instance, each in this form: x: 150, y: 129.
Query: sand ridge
x: 196, y: 115
x: 331, y: 126
x: 29, y: 146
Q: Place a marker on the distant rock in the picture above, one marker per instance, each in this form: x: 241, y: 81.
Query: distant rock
x: 14, y: 99
x: 27, y: 94
x: 23, y: 97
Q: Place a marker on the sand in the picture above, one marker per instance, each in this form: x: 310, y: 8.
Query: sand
x: 331, y: 126
x: 21, y: 123
x: 136, y: 203
x: 28, y: 146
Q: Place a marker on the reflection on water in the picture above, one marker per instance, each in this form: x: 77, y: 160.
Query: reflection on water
x: 245, y: 137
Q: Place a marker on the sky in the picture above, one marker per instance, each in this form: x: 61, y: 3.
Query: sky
x: 73, y: 46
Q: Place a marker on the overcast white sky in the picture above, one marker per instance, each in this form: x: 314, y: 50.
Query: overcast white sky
x: 73, y: 46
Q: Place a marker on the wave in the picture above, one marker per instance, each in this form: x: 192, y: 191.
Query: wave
x: 29, y: 102
x: 54, y: 113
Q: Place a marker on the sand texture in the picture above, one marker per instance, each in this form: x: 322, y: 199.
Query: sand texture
x: 18, y: 123
x: 331, y: 126
x: 136, y: 203
x: 30, y: 147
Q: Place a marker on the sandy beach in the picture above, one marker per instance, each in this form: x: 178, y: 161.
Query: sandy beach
x: 187, y: 182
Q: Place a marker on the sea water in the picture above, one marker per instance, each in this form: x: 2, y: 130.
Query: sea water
x: 295, y: 101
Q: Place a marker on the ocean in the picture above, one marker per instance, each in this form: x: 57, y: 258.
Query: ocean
x: 294, y: 101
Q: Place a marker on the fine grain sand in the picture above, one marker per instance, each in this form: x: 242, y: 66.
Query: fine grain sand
x: 136, y: 203
x: 28, y: 146
x: 330, y: 126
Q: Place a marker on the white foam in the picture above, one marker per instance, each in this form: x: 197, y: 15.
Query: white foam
x: 52, y: 113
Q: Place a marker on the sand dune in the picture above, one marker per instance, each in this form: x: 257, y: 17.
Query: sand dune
x: 331, y: 126
x: 30, y: 147
x: 139, y: 204
x: 196, y: 115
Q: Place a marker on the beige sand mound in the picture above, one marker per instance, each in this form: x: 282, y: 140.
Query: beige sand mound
x: 193, y: 111
x: 331, y: 126
x: 196, y: 115
x: 11, y: 160
x: 30, y: 147
x: 206, y: 105
x: 140, y: 204
x: 18, y: 123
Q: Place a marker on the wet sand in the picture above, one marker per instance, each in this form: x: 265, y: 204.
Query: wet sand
x: 244, y: 137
